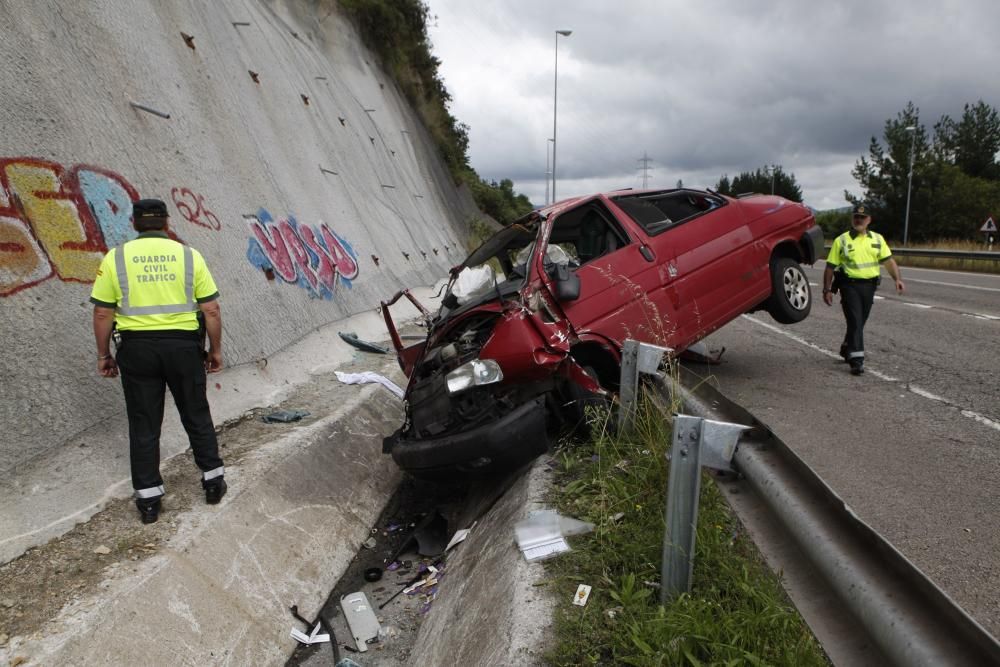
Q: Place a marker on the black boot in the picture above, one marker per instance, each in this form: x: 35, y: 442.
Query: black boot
x: 214, y: 491
x: 857, y: 367
x: 149, y: 509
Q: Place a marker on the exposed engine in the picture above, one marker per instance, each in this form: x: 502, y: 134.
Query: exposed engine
x: 433, y: 411
x: 460, y: 345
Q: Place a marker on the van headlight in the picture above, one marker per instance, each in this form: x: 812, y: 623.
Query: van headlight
x: 473, y: 374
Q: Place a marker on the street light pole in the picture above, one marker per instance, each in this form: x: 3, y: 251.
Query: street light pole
x: 555, y: 106
x: 912, y: 129
x: 548, y: 172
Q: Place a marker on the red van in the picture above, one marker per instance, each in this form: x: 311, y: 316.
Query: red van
x: 535, y: 318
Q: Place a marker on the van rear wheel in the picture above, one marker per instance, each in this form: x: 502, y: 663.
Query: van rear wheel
x: 791, y: 298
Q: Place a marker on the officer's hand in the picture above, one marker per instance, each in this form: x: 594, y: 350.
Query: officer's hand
x: 828, y: 298
x: 107, y: 367
x: 900, y: 286
x: 213, y: 361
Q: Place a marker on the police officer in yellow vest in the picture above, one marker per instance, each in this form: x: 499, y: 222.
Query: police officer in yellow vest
x: 150, y: 290
x: 854, y: 268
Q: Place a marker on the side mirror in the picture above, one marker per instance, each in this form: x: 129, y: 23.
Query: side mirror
x: 567, y: 283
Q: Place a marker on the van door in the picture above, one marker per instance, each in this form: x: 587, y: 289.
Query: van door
x: 614, y: 273
x: 711, y: 256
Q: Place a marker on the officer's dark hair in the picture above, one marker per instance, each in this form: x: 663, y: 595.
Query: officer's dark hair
x: 149, y: 224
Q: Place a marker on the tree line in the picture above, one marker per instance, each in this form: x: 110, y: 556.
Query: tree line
x: 955, y: 184
x: 956, y: 177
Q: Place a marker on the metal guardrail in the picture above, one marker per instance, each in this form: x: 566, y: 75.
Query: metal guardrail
x: 909, y: 619
x: 942, y: 254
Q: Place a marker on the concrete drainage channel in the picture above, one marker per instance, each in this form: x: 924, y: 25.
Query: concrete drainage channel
x: 477, y: 606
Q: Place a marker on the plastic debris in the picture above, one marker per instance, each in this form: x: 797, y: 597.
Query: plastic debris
x: 284, y: 416
x: 368, y: 377
x: 699, y: 352
x: 393, y: 566
x: 352, y: 339
x: 369, y: 543
x: 582, y: 595
x: 543, y: 534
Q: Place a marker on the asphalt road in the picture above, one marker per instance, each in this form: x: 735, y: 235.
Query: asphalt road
x: 913, y: 446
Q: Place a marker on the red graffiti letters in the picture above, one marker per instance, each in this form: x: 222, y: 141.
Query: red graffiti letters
x: 191, y: 206
x: 312, y: 257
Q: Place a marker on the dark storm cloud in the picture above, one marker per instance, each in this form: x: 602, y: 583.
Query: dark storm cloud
x: 709, y: 87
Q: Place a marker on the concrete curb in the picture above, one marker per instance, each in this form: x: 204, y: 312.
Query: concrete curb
x: 220, y: 591
x: 490, y: 610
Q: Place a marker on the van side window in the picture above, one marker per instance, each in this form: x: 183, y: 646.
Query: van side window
x: 658, y: 211
x: 587, y: 233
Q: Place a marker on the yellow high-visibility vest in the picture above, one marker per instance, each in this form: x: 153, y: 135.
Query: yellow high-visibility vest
x: 860, y: 256
x: 153, y: 283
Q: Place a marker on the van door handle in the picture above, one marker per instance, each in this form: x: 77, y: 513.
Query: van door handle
x: 647, y: 253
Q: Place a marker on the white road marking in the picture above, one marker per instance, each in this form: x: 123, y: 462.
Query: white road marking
x: 980, y: 316
x: 981, y: 419
x: 986, y: 421
x: 926, y: 394
x: 916, y: 305
x: 879, y: 298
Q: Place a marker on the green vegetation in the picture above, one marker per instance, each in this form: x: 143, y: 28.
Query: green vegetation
x: 956, y: 177
x: 766, y: 179
x: 397, y: 31
x: 737, y: 613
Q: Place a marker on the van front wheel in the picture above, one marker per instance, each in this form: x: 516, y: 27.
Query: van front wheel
x: 791, y: 298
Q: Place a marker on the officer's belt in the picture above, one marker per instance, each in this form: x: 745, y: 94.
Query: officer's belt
x: 160, y: 333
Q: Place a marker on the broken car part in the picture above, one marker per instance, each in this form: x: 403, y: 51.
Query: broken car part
x: 364, y: 346
x: 360, y: 619
x: 284, y: 416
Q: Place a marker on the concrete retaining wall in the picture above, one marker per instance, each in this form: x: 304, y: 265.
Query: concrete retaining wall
x: 289, y: 202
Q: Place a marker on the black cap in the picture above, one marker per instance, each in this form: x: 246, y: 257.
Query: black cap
x: 862, y: 211
x: 149, y: 208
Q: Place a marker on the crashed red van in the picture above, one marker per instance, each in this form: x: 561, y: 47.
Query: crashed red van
x: 534, y: 319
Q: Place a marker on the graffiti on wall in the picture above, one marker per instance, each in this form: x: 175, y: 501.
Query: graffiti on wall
x: 312, y: 257
x: 192, y: 208
x: 58, y: 221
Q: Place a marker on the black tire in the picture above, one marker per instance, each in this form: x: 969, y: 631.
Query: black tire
x: 791, y: 298
x: 575, y: 407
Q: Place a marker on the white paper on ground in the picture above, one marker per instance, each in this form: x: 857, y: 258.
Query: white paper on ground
x: 582, y: 595
x: 313, y: 638
x: 368, y: 377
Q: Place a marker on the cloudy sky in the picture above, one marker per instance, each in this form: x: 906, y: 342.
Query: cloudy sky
x: 704, y: 88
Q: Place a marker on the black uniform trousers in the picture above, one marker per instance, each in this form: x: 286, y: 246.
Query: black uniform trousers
x: 149, y: 362
x: 856, y: 300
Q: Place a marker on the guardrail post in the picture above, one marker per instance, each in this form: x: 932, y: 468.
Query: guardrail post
x: 636, y: 358
x: 696, y: 442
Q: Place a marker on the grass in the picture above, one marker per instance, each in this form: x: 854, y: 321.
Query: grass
x: 737, y: 612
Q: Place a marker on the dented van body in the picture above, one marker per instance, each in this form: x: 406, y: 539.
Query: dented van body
x: 534, y: 320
